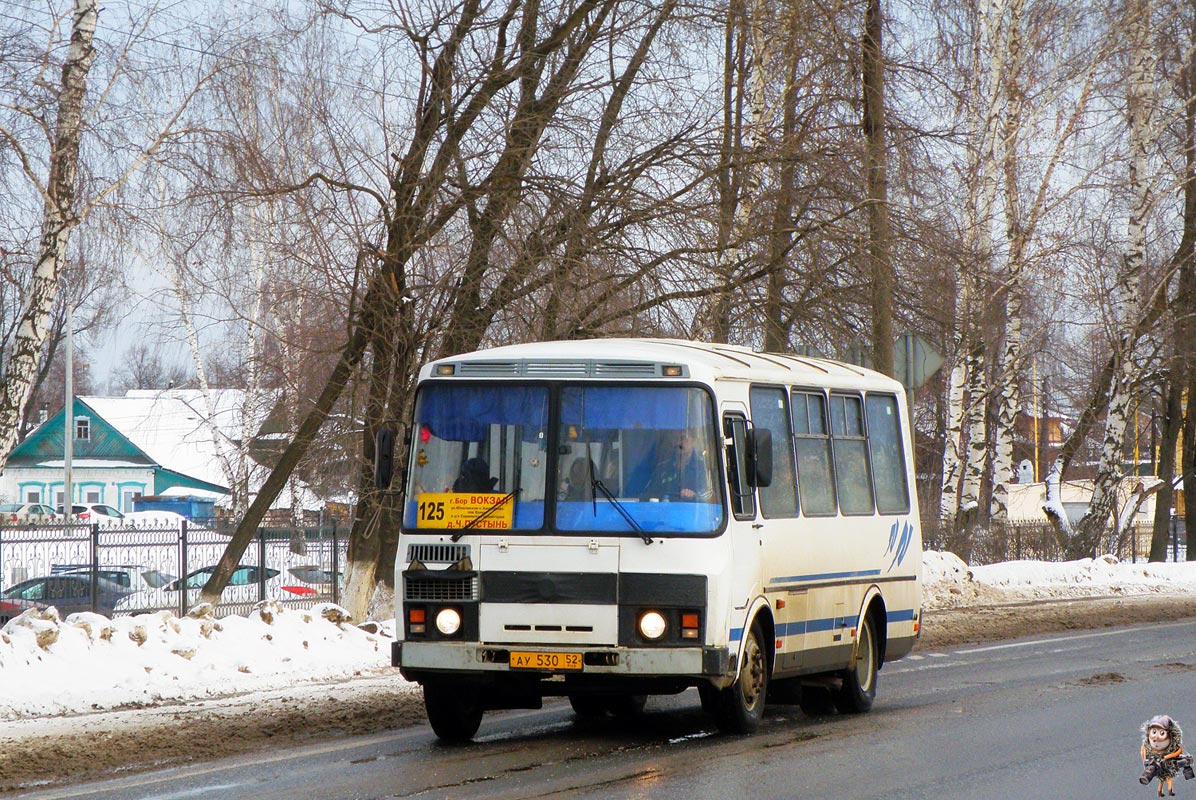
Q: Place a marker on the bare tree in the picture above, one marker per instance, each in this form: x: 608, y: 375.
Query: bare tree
x: 147, y: 366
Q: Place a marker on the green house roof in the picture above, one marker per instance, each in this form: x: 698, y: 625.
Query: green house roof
x: 105, y: 442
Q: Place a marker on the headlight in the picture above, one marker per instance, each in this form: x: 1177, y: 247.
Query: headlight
x: 652, y: 625
x: 448, y: 621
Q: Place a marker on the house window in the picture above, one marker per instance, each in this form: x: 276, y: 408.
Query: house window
x: 33, y: 496
x: 83, y: 428
x: 93, y: 496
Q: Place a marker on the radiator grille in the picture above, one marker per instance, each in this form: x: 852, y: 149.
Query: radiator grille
x: 440, y: 590
x: 437, y: 553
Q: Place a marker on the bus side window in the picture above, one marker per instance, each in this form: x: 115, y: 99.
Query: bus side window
x: 815, y: 479
x: 770, y: 411
x: 887, y: 449
x: 743, y: 502
x: 852, y: 479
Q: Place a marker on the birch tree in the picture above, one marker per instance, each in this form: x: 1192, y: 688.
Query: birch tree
x: 966, y: 441
x: 59, y: 218
x: 1127, y: 306
x: 50, y: 120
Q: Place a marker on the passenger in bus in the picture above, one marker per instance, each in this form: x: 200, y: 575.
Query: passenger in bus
x: 579, y: 480
x: 683, y: 474
x: 474, y: 477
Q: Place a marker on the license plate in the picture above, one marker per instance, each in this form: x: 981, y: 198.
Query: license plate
x: 534, y: 659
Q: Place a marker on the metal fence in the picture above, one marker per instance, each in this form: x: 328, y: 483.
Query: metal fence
x: 166, y: 566
x: 1040, y: 542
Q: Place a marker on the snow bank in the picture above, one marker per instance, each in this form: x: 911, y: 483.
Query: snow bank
x: 50, y: 666
x: 950, y: 583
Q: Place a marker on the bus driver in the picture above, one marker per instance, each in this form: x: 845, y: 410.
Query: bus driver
x: 683, y: 473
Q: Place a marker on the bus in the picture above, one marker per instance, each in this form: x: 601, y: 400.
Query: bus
x: 610, y: 519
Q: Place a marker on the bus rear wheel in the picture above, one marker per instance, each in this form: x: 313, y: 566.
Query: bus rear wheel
x: 741, y: 705
x: 858, y: 691
x: 454, y: 711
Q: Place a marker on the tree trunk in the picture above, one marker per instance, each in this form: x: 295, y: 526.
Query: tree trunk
x: 1140, y: 103
x: 1172, y: 423
x: 58, y: 219
x: 875, y: 164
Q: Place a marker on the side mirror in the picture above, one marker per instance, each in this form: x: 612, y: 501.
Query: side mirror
x: 384, y: 458
x: 759, y: 453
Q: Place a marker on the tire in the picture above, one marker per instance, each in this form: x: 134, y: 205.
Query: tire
x: 741, y: 705
x: 708, y: 694
x: 454, y: 711
x: 859, y: 680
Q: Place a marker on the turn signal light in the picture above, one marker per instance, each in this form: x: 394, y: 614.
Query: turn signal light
x: 417, y: 619
x: 689, y: 625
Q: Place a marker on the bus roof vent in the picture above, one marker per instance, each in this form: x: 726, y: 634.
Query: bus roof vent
x: 570, y: 369
x: 626, y: 369
x: 488, y: 368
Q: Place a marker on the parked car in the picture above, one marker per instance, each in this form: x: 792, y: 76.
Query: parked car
x: 67, y: 593
x: 95, y: 512
x: 242, y: 587
x: 313, y: 579
x: 131, y: 576
x: 21, y: 513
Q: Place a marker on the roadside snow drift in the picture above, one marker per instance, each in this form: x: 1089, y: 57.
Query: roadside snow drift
x: 86, y: 662
x: 54, y: 667
x: 947, y: 582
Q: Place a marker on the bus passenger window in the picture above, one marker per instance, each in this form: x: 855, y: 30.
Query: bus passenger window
x: 885, y: 445
x: 770, y: 411
x: 852, y: 480
x: 815, y: 481
x: 743, y: 501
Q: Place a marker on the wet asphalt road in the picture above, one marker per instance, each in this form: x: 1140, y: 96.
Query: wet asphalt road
x: 1055, y: 717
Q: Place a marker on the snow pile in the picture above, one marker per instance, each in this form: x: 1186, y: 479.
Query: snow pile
x: 88, y: 662
x: 49, y: 666
x: 947, y: 582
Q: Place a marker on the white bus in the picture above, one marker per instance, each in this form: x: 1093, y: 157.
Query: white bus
x: 610, y: 519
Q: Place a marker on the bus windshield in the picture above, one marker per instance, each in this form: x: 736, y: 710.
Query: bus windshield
x: 637, y: 458
x: 628, y: 459
x: 478, y: 457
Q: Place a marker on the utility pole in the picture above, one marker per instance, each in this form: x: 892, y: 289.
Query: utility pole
x: 68, y: 416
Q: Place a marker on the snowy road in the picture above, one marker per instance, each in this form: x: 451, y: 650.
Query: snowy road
x: 1055, y: 716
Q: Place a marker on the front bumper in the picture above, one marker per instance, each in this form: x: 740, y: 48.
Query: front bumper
x: 632, y: 662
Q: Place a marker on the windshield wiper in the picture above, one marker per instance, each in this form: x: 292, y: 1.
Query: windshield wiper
x: 502, y: 502
x: 597, y: 484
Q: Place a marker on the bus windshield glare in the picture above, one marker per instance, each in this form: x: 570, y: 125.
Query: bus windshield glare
x: 628, y: 459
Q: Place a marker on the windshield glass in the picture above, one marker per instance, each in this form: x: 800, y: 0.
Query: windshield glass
x: 642, y: 454
x: 478, y: 457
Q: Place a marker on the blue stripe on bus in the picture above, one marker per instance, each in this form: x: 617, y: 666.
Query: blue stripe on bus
x: 825, y: 576
x: 786, y: 629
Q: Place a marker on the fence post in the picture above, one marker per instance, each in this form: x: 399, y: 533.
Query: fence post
x: 336, y: 567
x: 261, y: 564
x: 183, y: 568
x: 95, y: 567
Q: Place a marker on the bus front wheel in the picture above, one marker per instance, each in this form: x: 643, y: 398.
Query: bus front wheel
x: 454, y: 711
x: 741, y: 705
x: 858, y: 691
